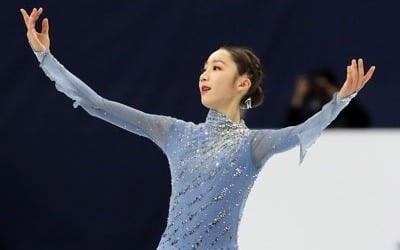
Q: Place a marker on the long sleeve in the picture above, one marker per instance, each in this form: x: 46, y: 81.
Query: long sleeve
x: 267, y: 142
x: 154, y: 127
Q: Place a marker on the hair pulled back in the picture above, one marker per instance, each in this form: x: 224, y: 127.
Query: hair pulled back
x: 249, y: 64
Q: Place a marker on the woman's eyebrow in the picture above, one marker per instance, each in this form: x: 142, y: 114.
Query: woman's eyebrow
x: 215, y: 61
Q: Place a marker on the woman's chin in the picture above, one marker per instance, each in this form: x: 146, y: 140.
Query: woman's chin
x: 207, y: 105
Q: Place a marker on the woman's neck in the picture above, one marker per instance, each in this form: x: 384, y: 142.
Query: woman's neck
x: 231, y: 113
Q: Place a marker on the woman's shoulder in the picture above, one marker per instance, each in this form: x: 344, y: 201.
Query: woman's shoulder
x: 181, y: 125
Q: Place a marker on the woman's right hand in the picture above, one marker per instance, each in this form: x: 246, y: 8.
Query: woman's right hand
x: 38, y: 41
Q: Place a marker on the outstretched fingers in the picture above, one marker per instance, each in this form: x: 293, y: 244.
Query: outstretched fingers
x: 35, y: 15
x: 355, y: 79
x: 349, y: 78
x: 26, y: 17
x: 31, y: 23
x: 360, y: 72
x: 45, y: 26
x: 362, y: 78
x: 368, y: 75
x: 30, y: 20
x: 354, y: 72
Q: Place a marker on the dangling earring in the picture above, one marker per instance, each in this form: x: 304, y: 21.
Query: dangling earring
x: 247, y: 104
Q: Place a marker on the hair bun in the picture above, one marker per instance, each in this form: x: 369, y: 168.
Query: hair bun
x: 257, y: 98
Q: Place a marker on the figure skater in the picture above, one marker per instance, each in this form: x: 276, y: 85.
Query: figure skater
x: 213, y: 164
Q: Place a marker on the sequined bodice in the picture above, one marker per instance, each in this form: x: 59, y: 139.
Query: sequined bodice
x: 211, y: 177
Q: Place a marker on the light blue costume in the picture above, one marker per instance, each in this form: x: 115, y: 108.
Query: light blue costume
x: 213, y: 164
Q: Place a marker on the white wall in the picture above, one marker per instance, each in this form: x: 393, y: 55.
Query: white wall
x: 345, y: 196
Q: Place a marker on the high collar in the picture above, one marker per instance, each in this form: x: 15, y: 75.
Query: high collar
x: 220, y: 121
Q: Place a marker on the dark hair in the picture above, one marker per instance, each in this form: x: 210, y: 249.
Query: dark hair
x: 248, y: 63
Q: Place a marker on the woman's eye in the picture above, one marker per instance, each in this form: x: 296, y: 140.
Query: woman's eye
x: 216, y: 67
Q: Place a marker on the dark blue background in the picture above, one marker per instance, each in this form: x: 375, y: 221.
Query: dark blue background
x: 70, y: 181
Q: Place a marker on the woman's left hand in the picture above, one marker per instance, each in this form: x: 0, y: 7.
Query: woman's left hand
x: 356, y: 79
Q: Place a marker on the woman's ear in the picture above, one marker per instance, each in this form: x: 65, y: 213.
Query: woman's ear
x: 245, y: 83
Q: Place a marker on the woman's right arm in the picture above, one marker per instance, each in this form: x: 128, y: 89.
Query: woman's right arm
x: 154, y: 127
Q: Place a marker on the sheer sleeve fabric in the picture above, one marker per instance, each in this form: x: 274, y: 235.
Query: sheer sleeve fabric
x: 154, y: 127
x: 267, y: 142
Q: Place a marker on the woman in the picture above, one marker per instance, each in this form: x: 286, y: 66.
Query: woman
x: 213, y: 164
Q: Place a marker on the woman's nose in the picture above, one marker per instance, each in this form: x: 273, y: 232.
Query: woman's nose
x: 203, y: 78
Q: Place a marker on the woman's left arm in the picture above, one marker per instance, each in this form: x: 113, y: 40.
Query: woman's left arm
x: 267, y: 142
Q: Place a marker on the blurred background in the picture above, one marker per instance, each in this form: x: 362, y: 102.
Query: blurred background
x: 71, y: 181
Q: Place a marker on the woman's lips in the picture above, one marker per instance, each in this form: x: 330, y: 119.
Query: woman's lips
x: 205, y: 88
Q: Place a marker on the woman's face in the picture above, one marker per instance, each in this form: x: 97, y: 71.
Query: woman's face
x: 220, y: 86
